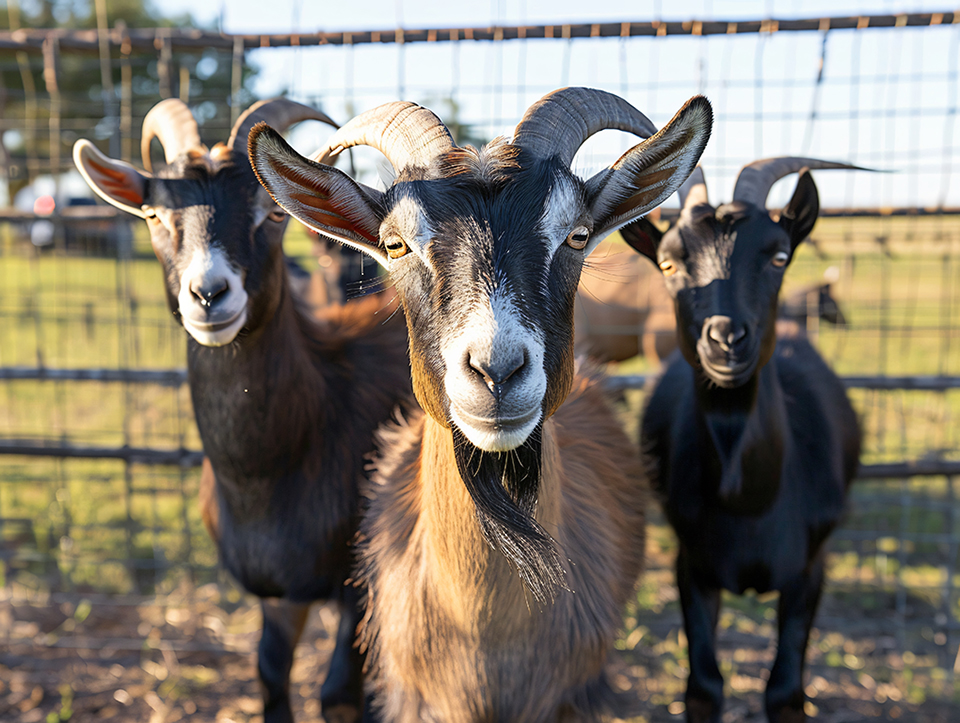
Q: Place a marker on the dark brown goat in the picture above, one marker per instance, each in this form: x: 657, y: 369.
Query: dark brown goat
x: 286, y: 405
x: 751, y: 442
x: 486, y: 505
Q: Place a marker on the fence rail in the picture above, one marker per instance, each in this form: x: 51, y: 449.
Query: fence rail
x: 149, y: 39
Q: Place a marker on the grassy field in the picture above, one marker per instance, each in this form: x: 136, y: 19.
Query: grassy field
x: 101, y: 526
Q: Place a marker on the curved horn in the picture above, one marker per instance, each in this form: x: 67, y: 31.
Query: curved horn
x: 406, y: 133
x: 281, y: 113
x: 173, y: 124
x: 559, y: 123
x: 756, y: 179
x: 693, y: 192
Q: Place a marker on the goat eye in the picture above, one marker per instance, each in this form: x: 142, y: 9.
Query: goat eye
x: 578, y: 237
x: 277, y: 215
x: 780, y: 259
x: 396, y: 246
x: 668, y: 268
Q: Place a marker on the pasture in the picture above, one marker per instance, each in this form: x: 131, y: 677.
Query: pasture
x: 110, y: 592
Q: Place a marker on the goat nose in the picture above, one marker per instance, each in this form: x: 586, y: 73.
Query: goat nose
x: 722, y: 331
x: 495, y: 372
x: 207, y: 292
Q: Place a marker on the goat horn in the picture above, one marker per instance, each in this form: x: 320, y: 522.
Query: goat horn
x: 173, y: 124
x: 693, y: 192
x: 281, y: 113
x: 559, y: 123
x: 406, y: 133
x: 756, y: 179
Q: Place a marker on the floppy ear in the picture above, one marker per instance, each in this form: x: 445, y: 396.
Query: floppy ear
x: 321, y: 197
x: 643, y: 237
x: 647, y: 174
x: 116, y: 182
x: 800, y: 215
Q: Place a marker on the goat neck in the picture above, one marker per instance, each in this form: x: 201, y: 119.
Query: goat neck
x: 472, y: 580
x: 746, y: 428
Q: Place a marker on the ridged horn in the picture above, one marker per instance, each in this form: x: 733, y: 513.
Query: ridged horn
x: 693, y: 192
x: 173, y: 124
x: 559, y: 123
x: 281, y: 113
x: 756, y: 179
x: 406, y: 133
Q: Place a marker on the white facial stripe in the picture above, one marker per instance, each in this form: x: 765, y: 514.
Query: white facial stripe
x: 407, y: 219
x: 561, y: 213
x: 209, y: 268
x: 495, y: 329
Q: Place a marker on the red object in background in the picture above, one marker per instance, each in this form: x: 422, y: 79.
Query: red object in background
x: 44, y: 205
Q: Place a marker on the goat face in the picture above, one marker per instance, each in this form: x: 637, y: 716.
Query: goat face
x: 724, y: 267
x: 488, y: 287
x: 214, y: 230
x: 485, y: 248
x: 211, y: 230
x: 219, y: 245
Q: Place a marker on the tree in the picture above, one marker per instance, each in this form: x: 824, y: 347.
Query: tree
x: 79, y: 105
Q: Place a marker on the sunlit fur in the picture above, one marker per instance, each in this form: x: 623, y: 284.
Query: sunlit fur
x: 454, y: 634
x: 495, y: 576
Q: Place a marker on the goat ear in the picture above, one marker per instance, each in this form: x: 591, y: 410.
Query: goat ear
x: 116, y: 182
x: 650, y: 172
x: 319, y: 196
x: 800, y: 215
x: 643, y: 237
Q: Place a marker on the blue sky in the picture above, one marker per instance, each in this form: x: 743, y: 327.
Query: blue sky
x: 887, y: 99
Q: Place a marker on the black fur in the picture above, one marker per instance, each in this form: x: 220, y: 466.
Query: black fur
x: 504, y: 486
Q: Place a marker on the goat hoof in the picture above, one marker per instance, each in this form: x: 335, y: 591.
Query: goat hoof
x: 788, y: 715
x: 342, y: 713
x: 701, y: 710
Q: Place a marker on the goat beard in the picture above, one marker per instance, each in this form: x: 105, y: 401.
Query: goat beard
x: 504, y: 487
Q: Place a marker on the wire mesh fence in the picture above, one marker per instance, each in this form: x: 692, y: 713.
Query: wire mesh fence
x: 98, y: 450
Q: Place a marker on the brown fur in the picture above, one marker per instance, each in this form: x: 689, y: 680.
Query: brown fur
x: 623, y: 308
x: 452, y: 633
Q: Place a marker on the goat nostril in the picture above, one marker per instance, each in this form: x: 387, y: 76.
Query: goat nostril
x: 498, y: 372
x: 208, y: 295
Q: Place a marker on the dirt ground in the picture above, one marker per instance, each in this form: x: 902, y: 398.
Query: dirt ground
x: 189, y: 656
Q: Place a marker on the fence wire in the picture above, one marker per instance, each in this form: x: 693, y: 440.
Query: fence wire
x: 123, y: 518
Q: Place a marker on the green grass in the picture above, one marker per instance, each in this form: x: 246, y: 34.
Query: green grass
x: 97, y: 524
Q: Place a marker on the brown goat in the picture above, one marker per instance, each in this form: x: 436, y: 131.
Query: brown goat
x: 623, y: 308
x: 505, y: 527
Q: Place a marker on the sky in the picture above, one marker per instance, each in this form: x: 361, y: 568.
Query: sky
x: 887, y: 98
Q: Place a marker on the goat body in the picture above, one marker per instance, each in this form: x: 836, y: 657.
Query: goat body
x: 454, y: 633
x: 286, y: 404
x: 501, y: 493
x: 623, y: 309
x: 750, y: 441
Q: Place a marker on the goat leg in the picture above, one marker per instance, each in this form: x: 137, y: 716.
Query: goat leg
x: 283, y: 622
x: 701, y: 607
x: 796, y: 609
x: 341, y: 697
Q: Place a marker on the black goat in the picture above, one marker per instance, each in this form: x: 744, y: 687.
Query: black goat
x: 751, y: 443
x: 286, y: 406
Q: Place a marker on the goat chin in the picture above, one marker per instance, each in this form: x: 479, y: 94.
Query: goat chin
x: 213, y: 334
x: 496, y: 435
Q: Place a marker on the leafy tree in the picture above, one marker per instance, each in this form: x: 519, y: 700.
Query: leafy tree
x: 203, y: 78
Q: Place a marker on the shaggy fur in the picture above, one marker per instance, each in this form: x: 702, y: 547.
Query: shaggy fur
x: 452, y: 631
